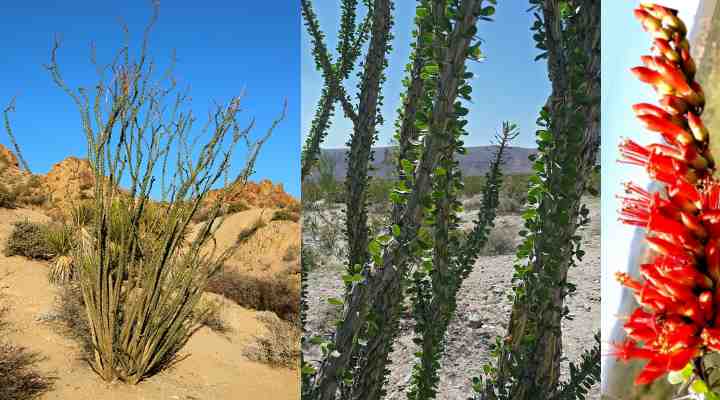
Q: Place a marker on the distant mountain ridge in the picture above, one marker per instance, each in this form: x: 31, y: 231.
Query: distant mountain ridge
x: 474, y: 163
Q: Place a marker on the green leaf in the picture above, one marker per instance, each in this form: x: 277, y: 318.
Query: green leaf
x: 352, y: 278
x: 335, y: 301
x: 396, y: 230
x: 699, y: 386
x: 374, y: 248
x: 487, y: 11
x: 421, y: 12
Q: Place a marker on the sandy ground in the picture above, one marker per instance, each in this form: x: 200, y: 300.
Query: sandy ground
x: 215, y: 368
x: 264, y: 252
x: 482, y: 314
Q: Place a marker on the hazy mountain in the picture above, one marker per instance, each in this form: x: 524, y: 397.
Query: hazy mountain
x: 474, y: 163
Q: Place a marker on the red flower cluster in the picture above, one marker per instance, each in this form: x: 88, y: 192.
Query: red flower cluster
x: 679, y: 317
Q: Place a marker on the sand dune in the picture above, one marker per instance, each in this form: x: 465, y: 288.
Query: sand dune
x: 215, y: 367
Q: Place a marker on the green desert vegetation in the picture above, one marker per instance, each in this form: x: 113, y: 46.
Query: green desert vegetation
x: 418, y: 255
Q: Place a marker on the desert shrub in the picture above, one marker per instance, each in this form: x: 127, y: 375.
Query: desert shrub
x: 35, y: 199
x: 29, y: 239
x: 510, y: 205
x: 236, y: 207
x: 29, y: 191
x: 472, y: 185
x: 379, y: 189
x: 292, y: 253
x: 501, y: 241
x: 82, y: 213
x: 19, y: 378
x: 276, y: 293
x: 279, y: 346
x: 285, y: 215
x: 513, y: 192
x: 8, y: 199
x: 294, y: 207
x: 248, y: 232
x: 209, y: 315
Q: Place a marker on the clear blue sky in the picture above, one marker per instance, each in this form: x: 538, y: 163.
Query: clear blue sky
x: 509, y: 85
x: 623, y: 42
x: 222, y: 47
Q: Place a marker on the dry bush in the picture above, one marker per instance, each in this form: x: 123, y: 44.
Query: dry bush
x: 209, y: 315
x: 294, y: 207
x: 285, y: 215
x: 501, y: 241
x: 203, y: 213
x: 279, y: 346
x: 510, y: 205
x: 28, y: 192
x: 236, y: 207
x: 248, y: 232
x: 28, y: 239
x: 276, y: 293
x: 8, y: 199
x: 19, y: 379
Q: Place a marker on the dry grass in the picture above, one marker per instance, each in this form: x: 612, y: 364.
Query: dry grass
x: 279, y: 346
x: 276, y: 293
x: 19, y: 378
x: 62, y: 270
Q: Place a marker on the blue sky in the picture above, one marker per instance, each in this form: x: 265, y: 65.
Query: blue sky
x: 221, y: 49
x: 623, y: 42
x: 509, y: 85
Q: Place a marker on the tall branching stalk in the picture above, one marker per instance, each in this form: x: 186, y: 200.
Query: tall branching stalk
x: 141, y: 285
x: 8, y: 128
x: 528, y: 358
x: 453, y: 259
x: 429, y: 127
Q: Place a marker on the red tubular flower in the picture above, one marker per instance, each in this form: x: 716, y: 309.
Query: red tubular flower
x: 678, y: 319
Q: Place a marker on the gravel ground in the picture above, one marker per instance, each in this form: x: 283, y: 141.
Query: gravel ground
x: 482, y: 313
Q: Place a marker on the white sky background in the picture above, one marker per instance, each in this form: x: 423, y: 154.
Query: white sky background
x: 623, y: 42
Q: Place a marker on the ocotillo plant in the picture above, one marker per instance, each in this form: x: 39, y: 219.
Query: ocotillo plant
x: 430, y: 126
x: 141, y: 286
x: 676, y: 326
x: 436, y: 286
x: 528, y: 358
x: 8, y: 128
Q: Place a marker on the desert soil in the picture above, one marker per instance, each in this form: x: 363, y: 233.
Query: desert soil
x: 215, y: 367
x: 482, y: 313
